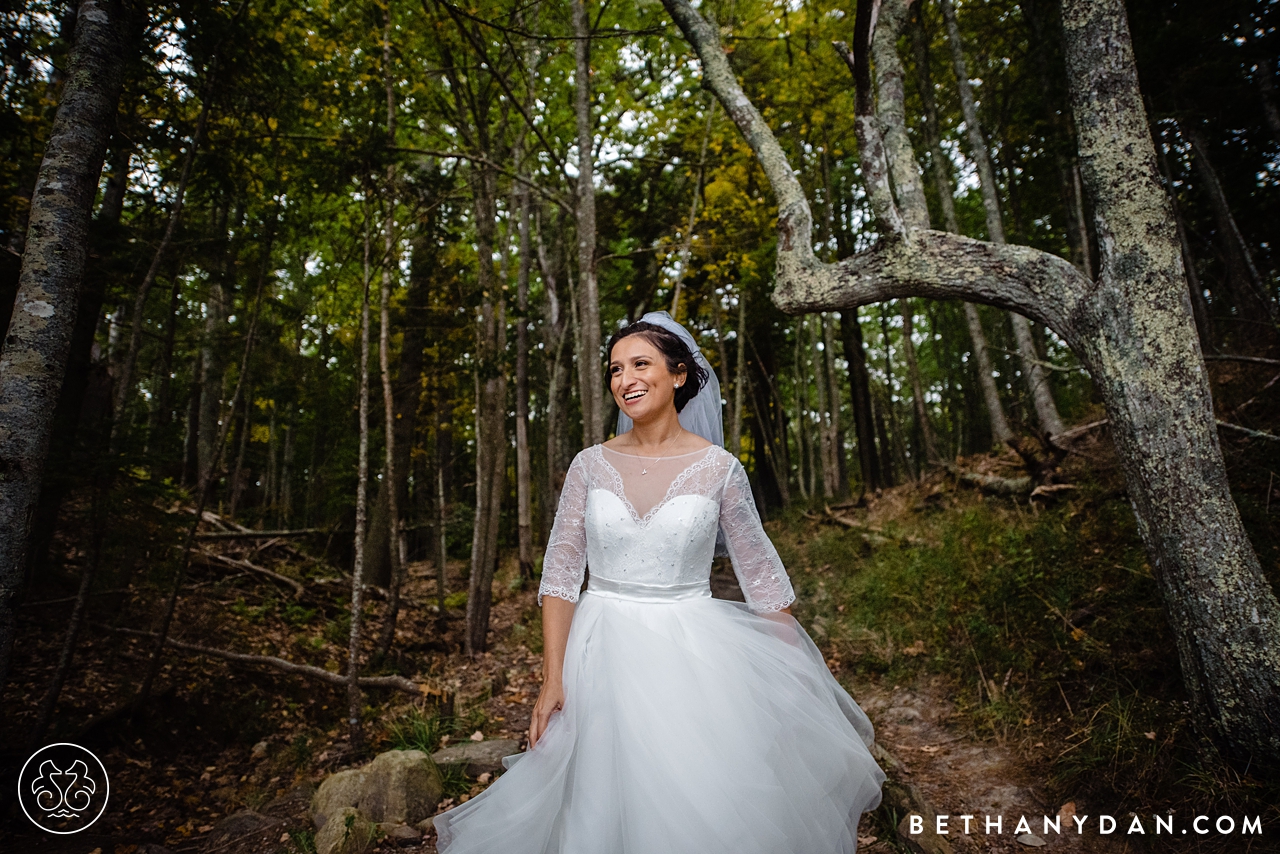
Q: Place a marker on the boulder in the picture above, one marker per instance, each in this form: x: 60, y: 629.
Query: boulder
x: 347, y: 831
x: 337, y: 791
x: 477, y: 757
x: 398, y: 787
x: 401, y: 787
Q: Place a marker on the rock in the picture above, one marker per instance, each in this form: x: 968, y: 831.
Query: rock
x: 927, y: 842
x: 241, y: 825
x: 347, y: 831
x: 401, y: 786
x: 400, y: 834
x: 337, y: 791
x: 260, y: 750
x: 476, y: 758
x: 1032, y: 841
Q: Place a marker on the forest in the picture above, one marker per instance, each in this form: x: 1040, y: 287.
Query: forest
x: 305, y: 306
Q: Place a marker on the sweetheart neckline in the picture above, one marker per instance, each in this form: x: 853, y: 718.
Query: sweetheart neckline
x: 676, y: 482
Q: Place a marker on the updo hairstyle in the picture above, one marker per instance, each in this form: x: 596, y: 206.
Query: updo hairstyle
x: 673, y: 350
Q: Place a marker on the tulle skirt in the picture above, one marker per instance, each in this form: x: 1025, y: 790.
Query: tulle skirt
x: 688, y: 726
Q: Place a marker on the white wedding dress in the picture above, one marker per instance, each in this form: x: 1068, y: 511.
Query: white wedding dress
x: 690, y: 725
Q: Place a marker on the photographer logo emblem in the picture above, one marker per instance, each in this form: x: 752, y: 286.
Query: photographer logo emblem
x: 63, y: 788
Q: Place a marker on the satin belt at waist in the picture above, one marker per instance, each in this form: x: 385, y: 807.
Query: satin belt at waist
x: 637, y: 592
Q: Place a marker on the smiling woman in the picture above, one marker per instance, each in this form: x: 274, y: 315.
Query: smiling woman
x: 669, y: 721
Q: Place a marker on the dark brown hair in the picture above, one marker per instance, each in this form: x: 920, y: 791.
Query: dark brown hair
x: 673, y: 349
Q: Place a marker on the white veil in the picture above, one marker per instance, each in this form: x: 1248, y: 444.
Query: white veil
x: 702, y: 413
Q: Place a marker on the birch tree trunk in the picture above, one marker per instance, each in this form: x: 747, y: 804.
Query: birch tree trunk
x: 940, y: 166
x: 38, y: 339
x: 390, y: 260
x: 355, y: 698
x: 590, y: 374
x: 1037, y: 377
x: 1132, y: 330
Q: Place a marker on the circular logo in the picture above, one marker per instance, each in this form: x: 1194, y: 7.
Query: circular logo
x: 63, y: 788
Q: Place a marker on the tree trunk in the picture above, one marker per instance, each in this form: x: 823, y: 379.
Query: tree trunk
x: 924, y: 430
x: 355, y: 701
x: 390, y: 260
x: 1252, y: 292
x: 860, y: 395
x: 1133, y: 332
x: 1037, y: 378
x: 524, y: 474
x: 557, y: 346
x: 38, y: 340
x: 491, y: 406
x: 686, y: 247
x: 590, y: 375
x: 1199, y: 308
x: 941, y: 168
x: 218, y: 309
x: 740, y: 378
x: 124, y: 379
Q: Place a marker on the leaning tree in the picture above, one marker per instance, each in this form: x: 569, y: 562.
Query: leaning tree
x: 1132, y: 329
x: 38, y: 341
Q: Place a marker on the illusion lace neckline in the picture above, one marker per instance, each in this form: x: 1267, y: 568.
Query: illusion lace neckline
x: 678, y: 481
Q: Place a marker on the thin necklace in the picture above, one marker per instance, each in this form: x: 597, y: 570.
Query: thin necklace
x: 644, y: 469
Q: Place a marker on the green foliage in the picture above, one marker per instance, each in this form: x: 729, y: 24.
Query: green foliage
x: 1049, y: 623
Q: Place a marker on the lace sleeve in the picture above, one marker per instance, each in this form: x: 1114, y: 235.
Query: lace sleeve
x: 566, y: 555
x: 760, y: 571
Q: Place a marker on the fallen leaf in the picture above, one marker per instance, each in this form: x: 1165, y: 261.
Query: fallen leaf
x: 867, y: 840
x: 916, y: 648
x: 477, y: 736
x: 1068, y: 811
x: 1032, y: 841
x: 1150, y: 735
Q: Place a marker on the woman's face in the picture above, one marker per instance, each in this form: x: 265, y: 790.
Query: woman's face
x: 639, y: 379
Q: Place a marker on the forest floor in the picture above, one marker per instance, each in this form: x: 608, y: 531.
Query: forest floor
x: 884, y: 593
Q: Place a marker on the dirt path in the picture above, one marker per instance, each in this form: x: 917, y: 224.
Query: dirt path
x: 932, y: 761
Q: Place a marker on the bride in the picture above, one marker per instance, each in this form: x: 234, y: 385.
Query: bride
x: 668, y: 721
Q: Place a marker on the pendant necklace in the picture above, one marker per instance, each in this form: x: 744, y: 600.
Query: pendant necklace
x: 644, y: 469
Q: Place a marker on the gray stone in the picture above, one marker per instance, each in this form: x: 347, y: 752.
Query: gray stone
x: 398, y: 787
x: 347, y: 831
x: 337, y: 791
x: 400, y: 834
x: 928, y: 842
x: 477, y: 757
x: 1032, y: 841
x: 401, y: 787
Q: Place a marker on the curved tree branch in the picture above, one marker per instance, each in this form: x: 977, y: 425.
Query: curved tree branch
x: 905, y: 262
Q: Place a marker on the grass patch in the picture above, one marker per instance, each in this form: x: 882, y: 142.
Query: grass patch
x: 1050, y: 625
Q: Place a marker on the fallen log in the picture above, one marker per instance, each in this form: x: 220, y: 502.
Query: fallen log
x: 398, y: 683
x: 990, y: 483
x: 248, y: 534
x: 298, y: 590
